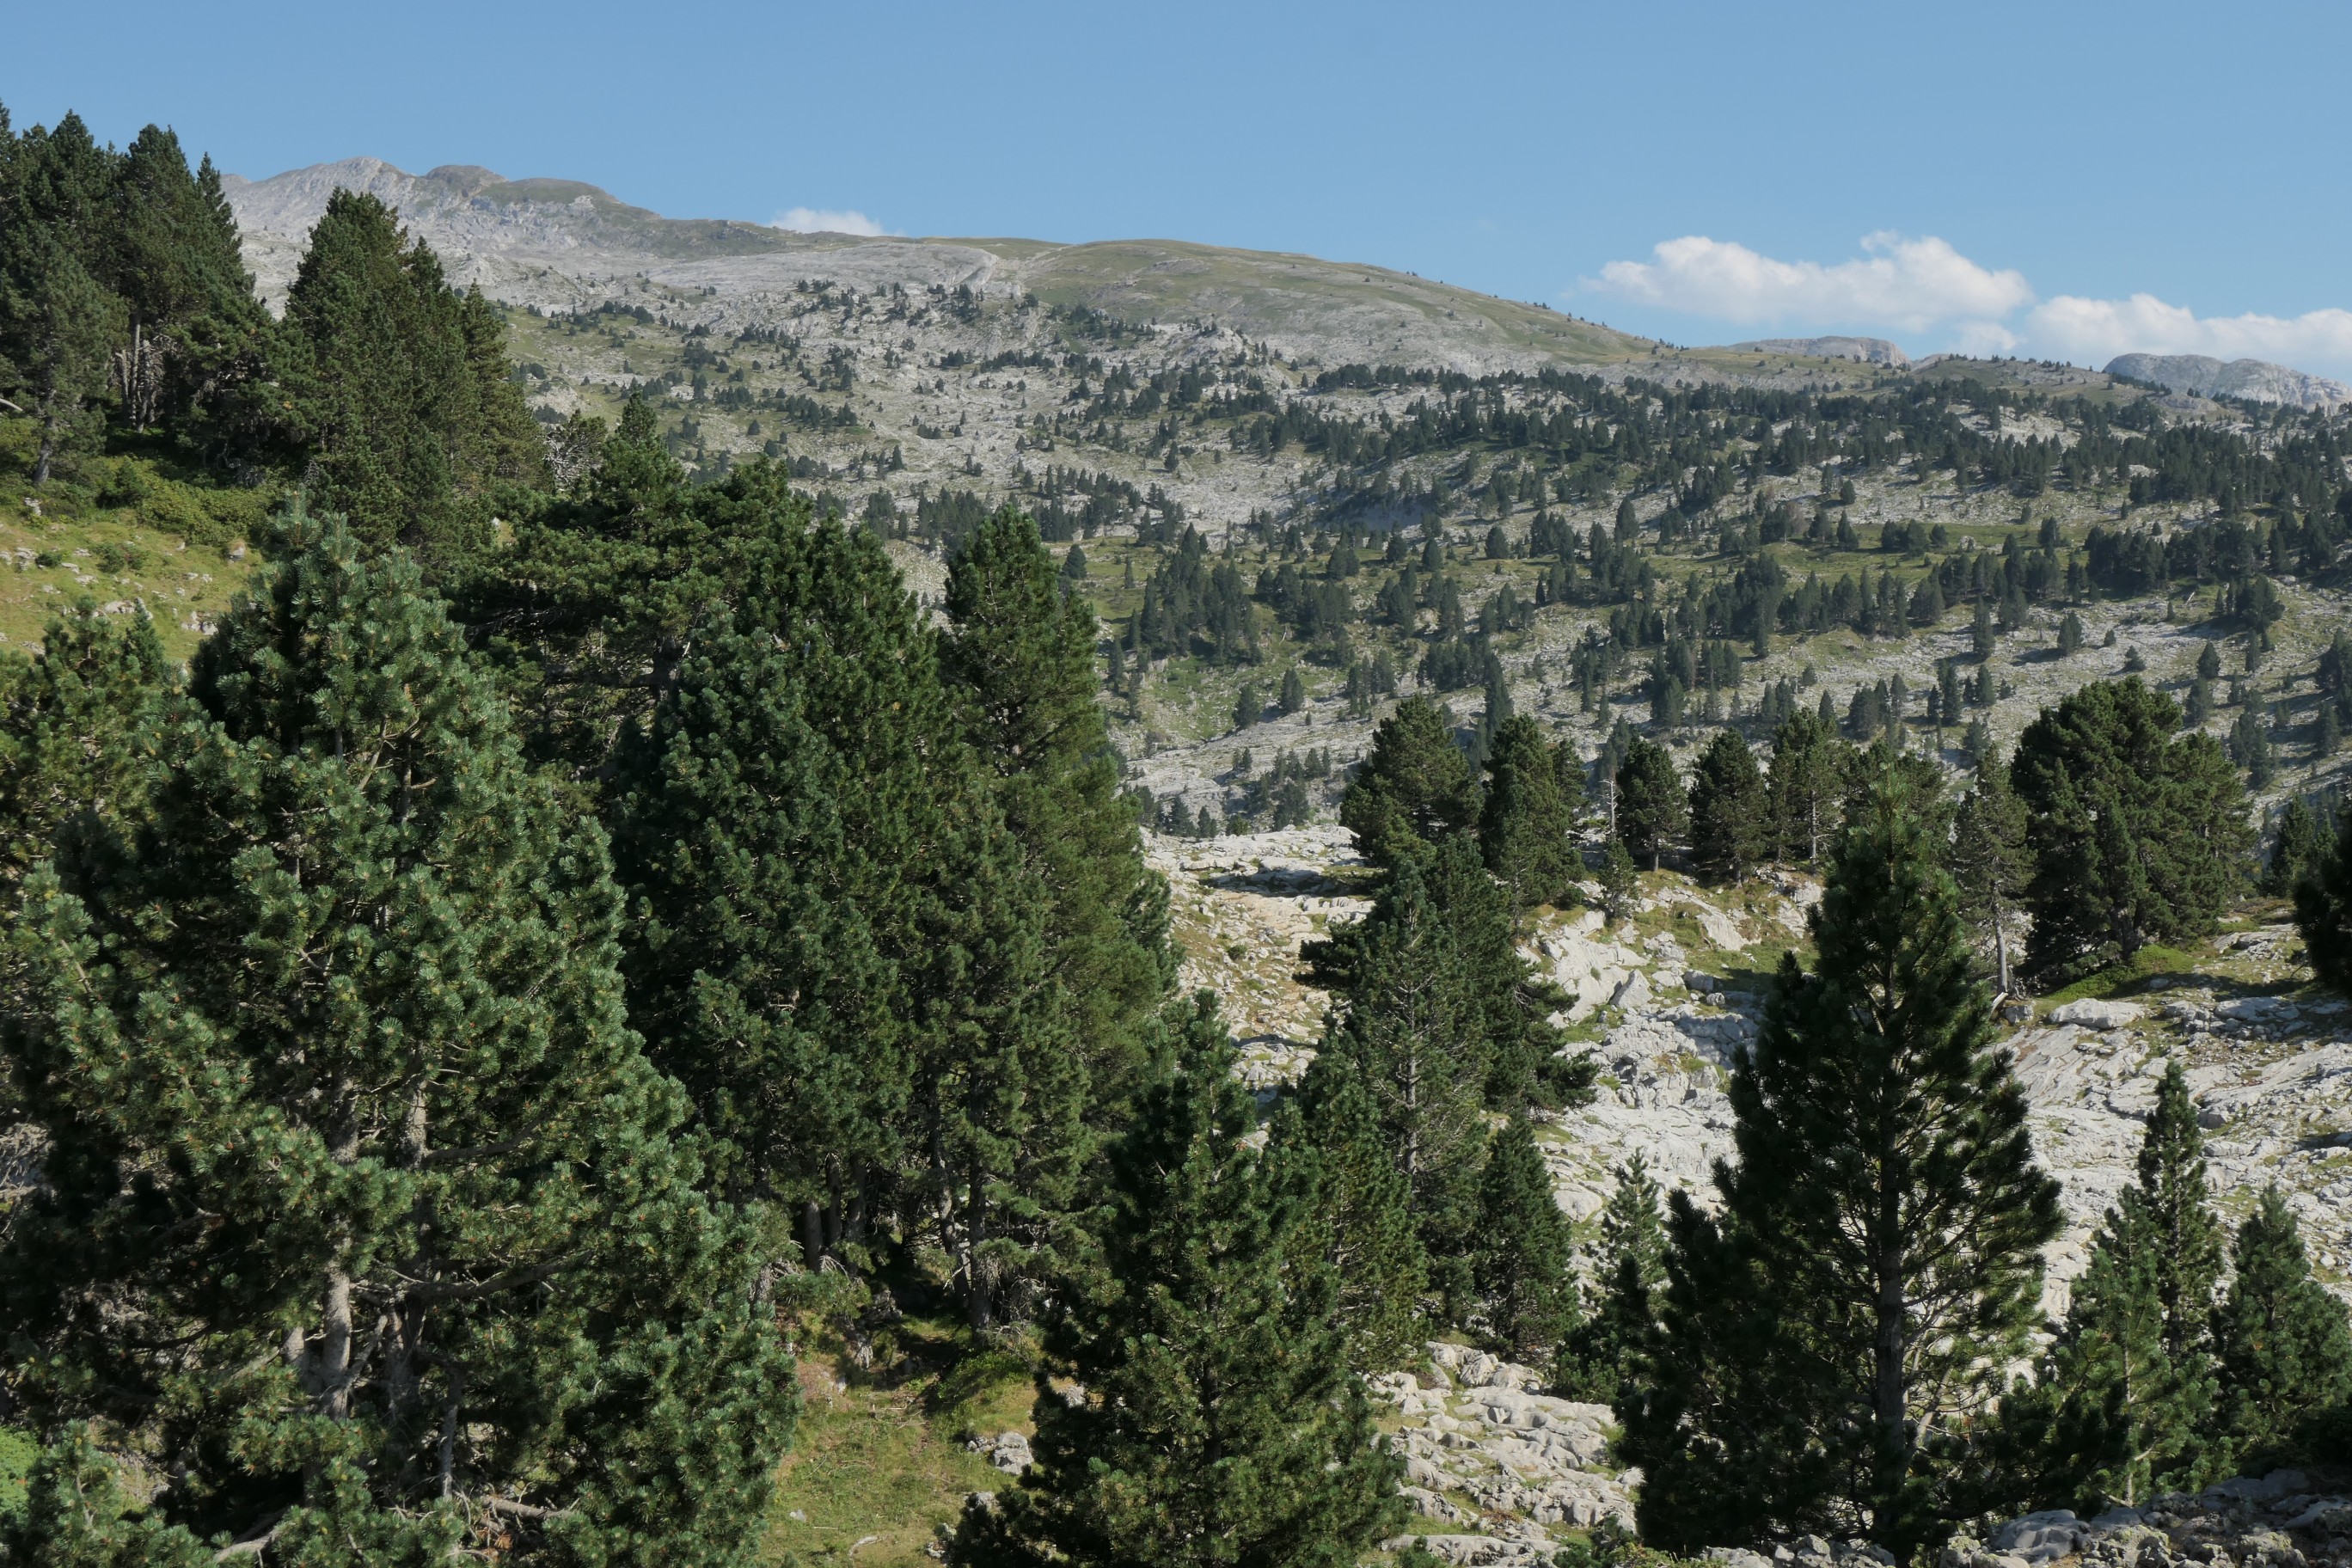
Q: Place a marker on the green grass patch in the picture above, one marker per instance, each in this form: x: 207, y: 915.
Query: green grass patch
x: 2145, y: 964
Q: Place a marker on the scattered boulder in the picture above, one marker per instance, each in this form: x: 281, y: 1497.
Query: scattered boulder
x: 2087, y: 1014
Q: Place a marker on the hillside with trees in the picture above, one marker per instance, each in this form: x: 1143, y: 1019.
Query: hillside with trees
x: 722, y: 926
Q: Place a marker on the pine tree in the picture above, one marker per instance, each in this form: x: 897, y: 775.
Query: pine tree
x: 1526, y: 1064
x: 1807, y: 784
x: 2296, y: 851
x: 1877, y: 1256
x: 1415, y: 1031
x: 1606, y: 1349
x: 398, y: 385
x: 1620, y: 880
x: 1219, y: 1423
x: 2284, y: 1347
x: 2138, y: 834
x: 1519, y: 1263
x: 2125, y: 1402
x: 1293, y: 692
x: 1990, y: 865
x: 2323, y: 913
x: 1413, y: 783
x: 1360, y: 1221
x: 1652, y: 809
x: 1020, y: 659
x: 1731, y: 824
x: 72, y: 755
x: 437, y: 1277
x: 1525, y: 821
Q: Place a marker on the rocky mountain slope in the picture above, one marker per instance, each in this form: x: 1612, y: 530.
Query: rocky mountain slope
x: 2255, y: 380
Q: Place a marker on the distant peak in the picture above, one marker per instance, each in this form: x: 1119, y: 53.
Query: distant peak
x: 469, y: 177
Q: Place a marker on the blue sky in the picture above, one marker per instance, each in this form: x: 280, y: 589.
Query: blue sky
x: 2068, y: 180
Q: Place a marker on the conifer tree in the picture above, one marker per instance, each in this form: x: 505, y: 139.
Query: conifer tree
x: 1605, y: 1350
x: 1520, y: 1260
x: 71, y: 756
x: 2296, y: 851
x: 1990, y: 864
x: 1652, y: 809
x: 2138, y: 834
x: 1361, y: 1219
x: 1413, y: 783
x: 398, y: 385
x: 2125, y: 1402
x: 2323, y: 913
x: 1219, y: 1423
x: 1416, y: 1032
x: 437, y: 1277
x: 1525, y: 821
x: 1516, y: 1003
x: 1020, y: 660
x: 1619, y: 880
x: 1731, y: 824
x: 2284, y: 1347
x: 1877, y: 1255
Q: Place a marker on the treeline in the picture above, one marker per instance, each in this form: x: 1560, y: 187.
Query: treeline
x: 125, y: 314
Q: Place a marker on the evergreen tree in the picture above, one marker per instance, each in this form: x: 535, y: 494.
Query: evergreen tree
x: 1515, y: 1004
x: 1620, y: 880
x: 1652, y: 809
x: 1293, y: 692
x: 2285, y: 1350
x: 1606, y: 1351
x: 72, y: 760
x: 1020, y: 660
x: 399, y: 386
x: 1408, y: 1021
x: 1361, y: 1219
x: 1413, y: 783
x: 1807, y: 784
x: 2125, y: 1402
x: 1877, y: 1255
x: 1525, y: 821
x: 2297, y: 851
x: 2138, y: 834
x: 1990, y: 865
x: 2323, y: 913
x: 1520, y: 1260
x: 340, y: 1105
x: 1731, y: 824
x: 1219, y: 1423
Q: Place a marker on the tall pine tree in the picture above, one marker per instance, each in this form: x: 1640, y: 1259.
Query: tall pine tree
x: 1520, y: 1260
x: 1607, y: 1348
x: 1019, y: 659
x: 1361, y: 1219
x: 1731, y: 824
x: 1217, y: 1422
x: 1526, y: 823
x: 342, y: 1108
x: 1414, y: 784
x: 2284, y: 1347
x: 1877, y: 1256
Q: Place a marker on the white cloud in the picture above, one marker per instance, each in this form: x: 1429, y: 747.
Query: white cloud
x: 1905, y: 285
x: 825, y: 220
x: 2096, y: 331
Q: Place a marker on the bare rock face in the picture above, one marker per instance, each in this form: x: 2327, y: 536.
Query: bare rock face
x: 1869, y: 350
x: 2259, y: 379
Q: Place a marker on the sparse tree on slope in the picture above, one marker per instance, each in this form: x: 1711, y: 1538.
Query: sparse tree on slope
x: 1520, y: 1260
x: 1652, y: 808
x: 1219, y: 1423
x: 2285, y: 1349
x: 2138, y: 834
x: 1990, y: 862
x: 1607, y: 1348
x: 2323, y: 913
x: 1730, y: 821
x: 1525, y: 821
x: 1414, y: 784
x: 1877, y: 1256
